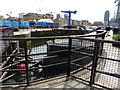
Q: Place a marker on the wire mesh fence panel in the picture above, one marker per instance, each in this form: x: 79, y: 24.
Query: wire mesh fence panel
x: 109, y: 68
x: 29, y: 60
x: 83, y: 57
x: 37, y: 48
x: 48, y: 58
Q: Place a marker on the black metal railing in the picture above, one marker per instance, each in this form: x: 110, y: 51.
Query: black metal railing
x: 103, y: 70
x: 92, y: 60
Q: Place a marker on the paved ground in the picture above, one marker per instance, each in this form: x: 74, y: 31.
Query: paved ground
x: 110, y: 66
x: 60, y: 84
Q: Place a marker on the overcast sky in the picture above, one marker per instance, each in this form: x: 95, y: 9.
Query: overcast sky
x: 92, y: 10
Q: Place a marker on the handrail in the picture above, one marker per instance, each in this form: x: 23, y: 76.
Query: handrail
x: 102, y: 33
x: 97, y: 40
x: 62, y: 37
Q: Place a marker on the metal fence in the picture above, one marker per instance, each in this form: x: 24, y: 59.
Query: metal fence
x: 35, y: 59
x: 100, y: 64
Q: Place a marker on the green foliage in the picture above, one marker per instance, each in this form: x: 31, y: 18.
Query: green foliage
x: 1, y: 17
x: 15, y: 29
x: 116, y: 37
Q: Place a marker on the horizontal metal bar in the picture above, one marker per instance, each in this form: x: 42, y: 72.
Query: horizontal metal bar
x: 14, y: 83
x: 83, y: 53
x: 11, y: 70
x: 63, y: 37
x: 33, y: 38
x: 80, y: 66
x: 62, y: 75
x: 79, y: 48
x: 110, y: 59
x: 99, y: 34
x: 51, y: 65
x: 46, y: 66
x: 52, y: 52
x: 103, y: 86
x: 52, y: 37
x: 80, y: 78
x: 110, y: 74
x: 97, y: 40
x: 79, y: 59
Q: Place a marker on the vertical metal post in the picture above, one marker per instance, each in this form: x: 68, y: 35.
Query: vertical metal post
x: 103, y: 36
x: 94, y: 64
x: 69, y: 19
x: 96, y: 35
x: 26, y: 62
x: 102, y: 43
x: 69, y: 57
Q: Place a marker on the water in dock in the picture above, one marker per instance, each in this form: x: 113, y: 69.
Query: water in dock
x: 37, y: 47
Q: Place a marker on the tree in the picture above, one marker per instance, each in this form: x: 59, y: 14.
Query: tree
x: 1, y: 17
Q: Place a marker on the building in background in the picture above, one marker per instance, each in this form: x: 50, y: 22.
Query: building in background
x: 113, y: 23
x: 66, y: 16
x: 117, y: 13
x: 58, y: 16
x: 75, y: 22
x: 58, y: 20
x: 21, y: 16
x: 85, y: 22
x: 98, y: 23
x: 106, y: 18
x: 61, y: 21
x: 48, y: 16
x: 33, y: 16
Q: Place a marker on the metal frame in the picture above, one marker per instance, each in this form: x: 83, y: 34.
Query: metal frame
x: 98, y: 49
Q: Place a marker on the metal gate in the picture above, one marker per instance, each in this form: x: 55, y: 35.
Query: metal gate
x: 98, y: 62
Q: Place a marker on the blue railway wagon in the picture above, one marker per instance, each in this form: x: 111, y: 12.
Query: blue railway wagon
x: 7, y: 23
x: 1, y: 23
x: 15, y: 23
x: 24, y: 24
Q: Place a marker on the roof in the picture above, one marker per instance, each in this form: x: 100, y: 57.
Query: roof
x: 79, y: 25
x: 46, y: 20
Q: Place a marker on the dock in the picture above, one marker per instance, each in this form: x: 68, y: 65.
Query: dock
x: 28, y: 31
x: 31, y: 32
